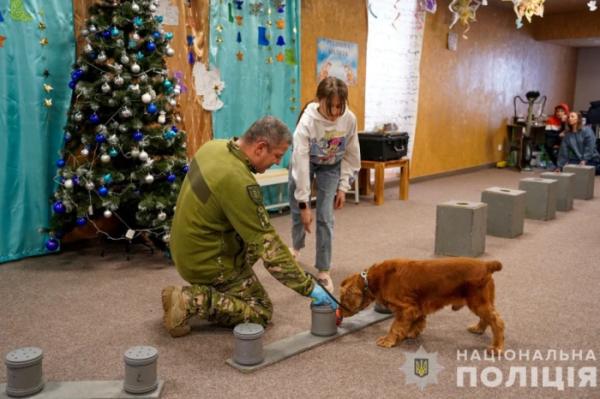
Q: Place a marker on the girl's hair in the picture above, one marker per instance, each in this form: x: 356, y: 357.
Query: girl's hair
x: 327, y: 89
x: 579, y: 123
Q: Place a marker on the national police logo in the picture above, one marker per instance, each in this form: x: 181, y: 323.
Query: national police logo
x: 421, y: 368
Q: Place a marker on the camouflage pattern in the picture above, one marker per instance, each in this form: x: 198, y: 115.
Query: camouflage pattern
x: 220, y: 230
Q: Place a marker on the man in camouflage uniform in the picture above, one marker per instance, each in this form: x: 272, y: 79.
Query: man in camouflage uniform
x: 221, y: 228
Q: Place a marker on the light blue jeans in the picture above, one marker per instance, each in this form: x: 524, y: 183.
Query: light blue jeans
x: 328, y: 178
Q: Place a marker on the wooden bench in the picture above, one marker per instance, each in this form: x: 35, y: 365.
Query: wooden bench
x: 380, y: 167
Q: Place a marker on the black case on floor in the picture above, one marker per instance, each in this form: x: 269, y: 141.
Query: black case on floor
x: 382, y: 146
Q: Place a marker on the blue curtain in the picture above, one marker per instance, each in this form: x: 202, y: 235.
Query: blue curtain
x: 256, y: 47
x: 37, y: 50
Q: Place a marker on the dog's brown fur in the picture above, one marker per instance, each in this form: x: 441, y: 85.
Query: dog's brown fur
x: 412, y: 289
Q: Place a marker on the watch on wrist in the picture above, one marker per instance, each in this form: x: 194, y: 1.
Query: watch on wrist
x: 302, y: 205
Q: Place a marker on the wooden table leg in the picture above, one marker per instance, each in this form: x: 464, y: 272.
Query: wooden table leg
x: 379, y: 173
x: 364, y: 181
x: 404, y: 172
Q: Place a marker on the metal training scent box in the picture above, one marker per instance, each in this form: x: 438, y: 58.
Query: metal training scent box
x: 248, y: 349
x: 24, y: 371
x: 323, y: 321
x: 140, y: 369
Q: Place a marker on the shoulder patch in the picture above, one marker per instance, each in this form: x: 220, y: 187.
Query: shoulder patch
x: 263, y: 217
x: 255, y: 194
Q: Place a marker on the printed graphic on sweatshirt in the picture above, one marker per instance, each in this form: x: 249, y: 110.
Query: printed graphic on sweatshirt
x: 330, y: 148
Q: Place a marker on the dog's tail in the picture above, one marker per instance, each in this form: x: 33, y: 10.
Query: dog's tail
x: 493, y: 266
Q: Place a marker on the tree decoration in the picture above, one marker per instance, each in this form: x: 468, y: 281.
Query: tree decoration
x: 119, y: 162
x: 592, y: 5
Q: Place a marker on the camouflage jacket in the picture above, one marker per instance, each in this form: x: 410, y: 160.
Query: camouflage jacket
x: 221, y: 225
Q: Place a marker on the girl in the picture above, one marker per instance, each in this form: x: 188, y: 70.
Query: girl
x: 579, y: 145
x: 325, y: 148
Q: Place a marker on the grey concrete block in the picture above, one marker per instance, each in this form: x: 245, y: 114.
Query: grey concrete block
x: 565, y: 190
x: 304, y: 341
x: 540, y: 197
x: 584, y: 180
x: 506, y: 211
x: 460, y: 228
x: 88, y: 390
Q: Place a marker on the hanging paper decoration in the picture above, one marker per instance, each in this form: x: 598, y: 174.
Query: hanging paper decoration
x: 280, y: 41
x: 592, y: 5
x: 208, y: 85
x: 239, y: 19
x: 280, y: 57
x: 2, y: 39
x: 1, y: 17
x: 179, y: 77
x: 239, y: 37
x: 428, y: 5
x: 279, y: 5
x: 290, y: 57
x: 262, y: 36
x: 280, y: 23
x: 239, y: 55
x: 256, y: 8
x: 465, y: 12
x: 18, y: 12
x: 527, y: 9
x: 238, y: 4
x: 230, y: 17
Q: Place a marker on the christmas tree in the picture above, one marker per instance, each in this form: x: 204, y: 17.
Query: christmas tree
x: 124, y: 157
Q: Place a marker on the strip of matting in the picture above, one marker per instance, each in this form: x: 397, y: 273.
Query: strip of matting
x: 87, y: 390
x: 290, y: 346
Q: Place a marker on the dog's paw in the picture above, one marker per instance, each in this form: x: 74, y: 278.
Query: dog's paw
x: 386, y: 342
x: 475, y: 329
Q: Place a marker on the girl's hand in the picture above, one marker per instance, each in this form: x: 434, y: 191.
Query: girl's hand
x: 340, y: 200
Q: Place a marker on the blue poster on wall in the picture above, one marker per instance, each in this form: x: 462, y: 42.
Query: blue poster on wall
x: 337, y: 58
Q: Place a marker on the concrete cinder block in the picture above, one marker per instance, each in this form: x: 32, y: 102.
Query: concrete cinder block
x: 506, y: 211
x: 540, y: 200
x: 584, y: 180
x: 460, y: 228
x: 565, y: 190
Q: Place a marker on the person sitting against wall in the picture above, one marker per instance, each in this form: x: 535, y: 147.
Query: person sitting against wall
x: 578, y: 145
x: 555, y: 127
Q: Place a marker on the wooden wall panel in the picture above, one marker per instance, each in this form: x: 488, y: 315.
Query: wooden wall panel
x: 192, y: 20
x: 344, y: 20
x: 466, y: 97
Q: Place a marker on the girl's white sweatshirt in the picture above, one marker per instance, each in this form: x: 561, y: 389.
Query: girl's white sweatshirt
x: 323, y: 142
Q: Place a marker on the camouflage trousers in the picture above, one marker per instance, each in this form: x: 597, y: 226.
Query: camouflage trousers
x: 231, y: 303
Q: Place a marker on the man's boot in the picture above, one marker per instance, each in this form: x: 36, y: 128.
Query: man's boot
x: 175, y: 305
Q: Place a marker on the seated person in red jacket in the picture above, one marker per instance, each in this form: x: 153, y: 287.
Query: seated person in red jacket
x: 555, y: 126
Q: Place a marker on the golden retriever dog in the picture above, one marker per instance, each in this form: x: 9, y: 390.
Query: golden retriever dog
x: 412, y: 289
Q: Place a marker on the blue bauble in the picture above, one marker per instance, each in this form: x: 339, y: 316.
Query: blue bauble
x: 59, y: 207
x: 114, y: 31
x: 81, y: 221
x: 107, y: 178
x: 92, y: 55
x: 185, y: 169
x: 102, y: 191
x: 139, y: 55
x: 75, y: 180
x: 77, y: 74
x: 100, y: 138
x: 150, y: 46
x: 137, y: 135
x: 169, y: 35
x: 158, y: 19
x: 132, y: 44
x: 167, y: 83
x: 152, y: 108
x: 52, y: 244
x: 106, y: 34
x: 137, y: 21
x: 156, y: 35
x: 113, y: 152
x: 60, y: 163
x: 169, y: 134
x: 68, y: 137
x: 72, y: 84
x: 174, y: 128
x: 171, y: 178
x: 94, y: 118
